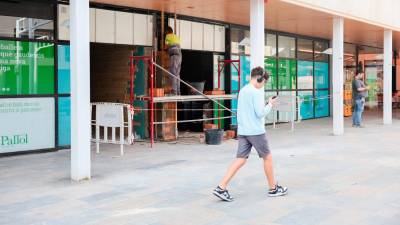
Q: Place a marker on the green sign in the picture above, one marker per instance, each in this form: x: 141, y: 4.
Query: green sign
x: 270, y: 66
x: 26, y: 68
x: 287, y: 74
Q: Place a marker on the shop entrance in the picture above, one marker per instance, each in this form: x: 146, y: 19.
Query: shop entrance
x: 197, y: 69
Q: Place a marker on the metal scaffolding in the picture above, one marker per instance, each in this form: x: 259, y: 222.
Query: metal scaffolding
x: 150, y: 61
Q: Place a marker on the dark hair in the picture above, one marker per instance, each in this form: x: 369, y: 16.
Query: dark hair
x: 258, y: 72
x: 169, y: 30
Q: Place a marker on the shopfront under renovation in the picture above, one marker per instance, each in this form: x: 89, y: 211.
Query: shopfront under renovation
x: 35, y: 72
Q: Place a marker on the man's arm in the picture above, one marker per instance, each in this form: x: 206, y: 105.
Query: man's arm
x: 260, y: 109
x: 361, y: 87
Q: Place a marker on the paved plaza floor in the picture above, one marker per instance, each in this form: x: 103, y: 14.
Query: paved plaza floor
x: 333, y: 180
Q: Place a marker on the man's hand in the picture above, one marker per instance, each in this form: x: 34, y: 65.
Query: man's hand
x: 272, y: 101
x: 367, y: 88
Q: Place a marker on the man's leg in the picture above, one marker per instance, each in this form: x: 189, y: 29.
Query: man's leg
x: 243, y: 152
x: 178, y: 72
x: 362, y: 105
x: 354, y: 113
x: 172, y: 69
x: 269, y: 171
x: 261, y: 144
x: 233, y: 168
x: 358, y: 112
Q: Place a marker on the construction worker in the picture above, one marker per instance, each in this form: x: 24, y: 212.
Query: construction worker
x: 172, y: 44
x: 251, y: 112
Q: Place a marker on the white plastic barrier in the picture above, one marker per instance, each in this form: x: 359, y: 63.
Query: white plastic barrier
x: 286, y: 104
x: 114, y: 116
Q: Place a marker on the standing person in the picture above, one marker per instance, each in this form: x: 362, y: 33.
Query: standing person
x: 360, y: 92
x: 251, y: 132
x: 172, y: 43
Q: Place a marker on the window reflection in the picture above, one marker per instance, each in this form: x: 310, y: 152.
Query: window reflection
x: 286, y: 47
x: 29, y: 28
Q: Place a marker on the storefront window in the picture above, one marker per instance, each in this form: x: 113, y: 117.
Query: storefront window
x: 270, y: 45
x: 64, y: 70
x: 26, y: 124
x: 273, y: 116
x: 28, y: 28
x: 306, y: 104
x: 321, y: 51
x: 371, y: 62
x: 287, y: 74
x: 305, y: 49
x: 285, y: 116
x: 305, y: 74
x: 244, y: 78
x: 295, y: 65
x: 270, y: 67
x: 321, y: 103
x: 26, y: 68
x: 240, y: 41
x: 350, y: 69
x: 321, y: 72
x: 286, y: 47
x: 27, y: 19
x: 374, y: 79
x: 350, y: 54
x: 64, y: 121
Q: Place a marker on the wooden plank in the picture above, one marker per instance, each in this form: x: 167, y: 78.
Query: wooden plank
x: 185, y: 98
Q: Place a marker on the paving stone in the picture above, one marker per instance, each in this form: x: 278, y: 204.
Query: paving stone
x: 350, y: 179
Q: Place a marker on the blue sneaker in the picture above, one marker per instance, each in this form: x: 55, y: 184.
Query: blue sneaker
x: 277, y: 191
x: 223, y: 194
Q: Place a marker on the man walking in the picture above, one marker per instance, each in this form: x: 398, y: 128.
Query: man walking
x: 172, y: 43
x: 360, y: 92
x: 251, y: 132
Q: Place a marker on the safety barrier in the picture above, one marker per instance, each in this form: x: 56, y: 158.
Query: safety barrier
x: 114, y: 116
x: 286, y: 104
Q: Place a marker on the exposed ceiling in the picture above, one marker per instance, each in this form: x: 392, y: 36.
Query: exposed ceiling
x: 280, y: 16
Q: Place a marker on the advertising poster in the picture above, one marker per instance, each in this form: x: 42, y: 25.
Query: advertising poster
x: 270, y: 66
x: 26, y: 124
x: 287, y: 74
x: 26, y: 67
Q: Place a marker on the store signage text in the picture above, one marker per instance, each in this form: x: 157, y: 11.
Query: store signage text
x: 14, y: 140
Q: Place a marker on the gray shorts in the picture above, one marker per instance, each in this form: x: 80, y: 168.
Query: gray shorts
x: 259, y: 142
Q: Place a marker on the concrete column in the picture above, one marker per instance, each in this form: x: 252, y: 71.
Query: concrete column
x: 337, y: 76
x: 80, y: 90
x: 257, y: 40
x: 387, y: 77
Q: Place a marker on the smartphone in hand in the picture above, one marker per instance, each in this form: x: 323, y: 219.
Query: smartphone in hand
x: 272, y: 100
